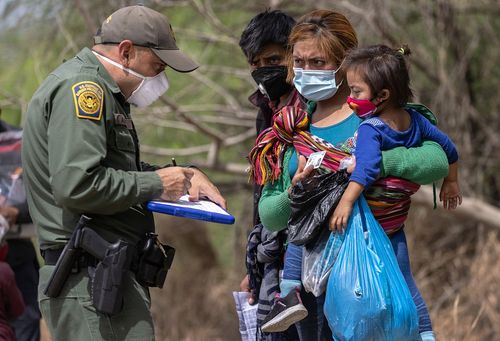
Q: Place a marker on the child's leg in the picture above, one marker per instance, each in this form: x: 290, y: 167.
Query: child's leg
x: 400, y: 246
x: 288, y: 308
x: 292, y: 269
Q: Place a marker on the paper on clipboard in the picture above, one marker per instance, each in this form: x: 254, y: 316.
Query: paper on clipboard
x: 200, y: 210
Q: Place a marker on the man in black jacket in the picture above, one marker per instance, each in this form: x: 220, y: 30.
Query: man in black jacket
x: 264, y: 41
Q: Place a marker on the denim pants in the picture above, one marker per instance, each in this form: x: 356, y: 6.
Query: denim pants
x: 400, y: 246
x: 315, y: 326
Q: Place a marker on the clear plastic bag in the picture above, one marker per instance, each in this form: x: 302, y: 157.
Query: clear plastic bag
x: 367, y: 297
x: 318, y: 259
x: 347, y: 162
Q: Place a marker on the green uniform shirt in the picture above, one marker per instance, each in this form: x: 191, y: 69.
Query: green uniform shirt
x: 81, y: 155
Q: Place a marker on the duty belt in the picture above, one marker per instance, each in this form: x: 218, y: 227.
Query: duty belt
x: 85, y: 259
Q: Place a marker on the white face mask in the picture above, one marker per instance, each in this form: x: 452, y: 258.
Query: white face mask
x: 316, y: 85
x: 150, y: 89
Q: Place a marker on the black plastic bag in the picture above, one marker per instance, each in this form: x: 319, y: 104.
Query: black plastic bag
x: 312, y: 202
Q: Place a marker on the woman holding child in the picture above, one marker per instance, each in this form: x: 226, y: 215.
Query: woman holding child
x: 319, y: 44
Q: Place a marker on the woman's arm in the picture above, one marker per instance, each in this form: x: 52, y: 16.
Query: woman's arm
x: 422, y: 165
x: 274, y: 204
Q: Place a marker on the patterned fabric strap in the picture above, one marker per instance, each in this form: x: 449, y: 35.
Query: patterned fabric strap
x: 389, y: 198
x: 290, y: 126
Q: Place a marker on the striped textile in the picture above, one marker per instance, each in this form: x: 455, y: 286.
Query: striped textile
x: 263, y: 261
x: 290, y: 126
x: 389, y: 198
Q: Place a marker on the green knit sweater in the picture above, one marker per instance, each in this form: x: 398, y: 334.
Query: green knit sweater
x: 422, y: 165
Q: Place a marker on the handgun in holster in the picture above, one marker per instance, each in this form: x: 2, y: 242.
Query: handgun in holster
x: 107, y: 278
x: 65, y: 262
x: 154, y: 261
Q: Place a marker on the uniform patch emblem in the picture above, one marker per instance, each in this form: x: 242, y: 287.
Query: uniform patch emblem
x: 88, y: 97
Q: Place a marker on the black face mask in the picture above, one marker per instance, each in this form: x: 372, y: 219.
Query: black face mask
x: 271, y: 81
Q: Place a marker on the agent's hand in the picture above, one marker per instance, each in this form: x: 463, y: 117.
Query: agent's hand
x: 340, y: 217
x: 302, y: 172
x: 450, y: 194
x: 202, y: 187
x: 10, y: 214
x: 176, y: 182
x: 245, y: 287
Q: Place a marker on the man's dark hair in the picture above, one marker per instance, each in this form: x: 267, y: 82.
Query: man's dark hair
x: 268, y: 27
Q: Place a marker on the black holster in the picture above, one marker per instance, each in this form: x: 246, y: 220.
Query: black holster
x: 108, y: 278
x: 153, y: 262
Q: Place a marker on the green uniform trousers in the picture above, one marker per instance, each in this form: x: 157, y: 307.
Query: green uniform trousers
x: 71, y: 316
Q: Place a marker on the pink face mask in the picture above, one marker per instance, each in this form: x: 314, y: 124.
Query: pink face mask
x: 362, y: 107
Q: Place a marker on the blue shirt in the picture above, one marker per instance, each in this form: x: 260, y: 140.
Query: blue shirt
x: 335, y: 134
x: 374, y: 136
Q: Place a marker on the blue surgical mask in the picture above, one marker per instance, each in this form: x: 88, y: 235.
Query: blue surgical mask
x: 316, y: 85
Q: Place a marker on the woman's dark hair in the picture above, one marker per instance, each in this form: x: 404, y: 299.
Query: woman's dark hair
x: 383, y: 68
x: 268, y: 27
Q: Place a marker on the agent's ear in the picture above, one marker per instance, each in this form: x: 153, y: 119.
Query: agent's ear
x: 125, y: 52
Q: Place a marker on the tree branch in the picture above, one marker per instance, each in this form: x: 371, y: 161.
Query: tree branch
x: 89, y: 19
x: 214, y: 134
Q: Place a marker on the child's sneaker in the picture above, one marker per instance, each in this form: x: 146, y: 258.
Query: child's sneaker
x: 285, y: 312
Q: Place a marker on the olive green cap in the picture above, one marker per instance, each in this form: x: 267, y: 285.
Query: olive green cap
x: 148, y: 28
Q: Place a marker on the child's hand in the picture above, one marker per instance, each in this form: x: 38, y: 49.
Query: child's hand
x: 450, y: 194
x: 340, y: 217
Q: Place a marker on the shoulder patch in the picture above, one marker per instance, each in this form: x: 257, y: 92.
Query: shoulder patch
x: 89, y: 98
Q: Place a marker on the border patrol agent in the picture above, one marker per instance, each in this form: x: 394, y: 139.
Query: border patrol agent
x: 81, y: 156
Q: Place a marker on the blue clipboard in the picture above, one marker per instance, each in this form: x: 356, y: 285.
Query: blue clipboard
x: 199, y: 210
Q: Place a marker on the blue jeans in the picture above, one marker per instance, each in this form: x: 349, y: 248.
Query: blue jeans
x: 313, y: 327
x: 292, y: 267
x: 400, y: 246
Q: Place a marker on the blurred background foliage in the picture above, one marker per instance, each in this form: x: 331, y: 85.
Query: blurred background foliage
x: 205, y: 119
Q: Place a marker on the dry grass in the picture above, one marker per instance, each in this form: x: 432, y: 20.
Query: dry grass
x: 456, y: 268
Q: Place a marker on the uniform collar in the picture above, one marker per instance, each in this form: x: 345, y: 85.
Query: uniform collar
x: 89, y: 58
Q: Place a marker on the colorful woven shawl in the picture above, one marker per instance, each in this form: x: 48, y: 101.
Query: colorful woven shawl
x: 389, y: 198
x: 289, y: 127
